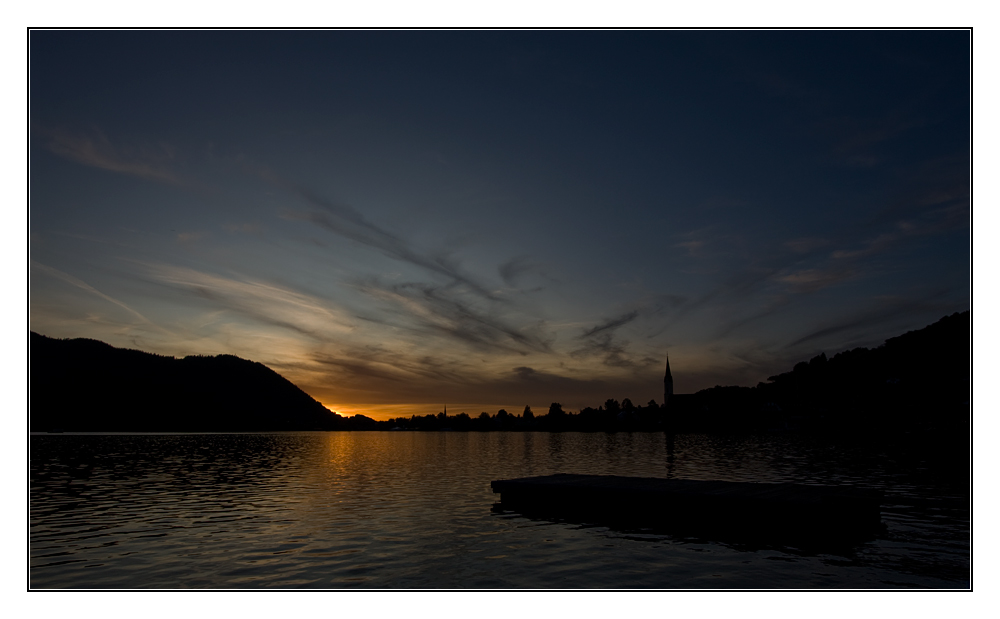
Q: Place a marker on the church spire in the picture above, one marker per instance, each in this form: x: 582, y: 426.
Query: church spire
x: 668, y: 385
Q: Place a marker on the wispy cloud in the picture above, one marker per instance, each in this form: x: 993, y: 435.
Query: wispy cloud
x: 437, y: 310
x: 515, y: 269
x: 456, y: 305
x: 346, y: 221
x: 82, y: 285
x: 96, y: 150
x: 613, y: 353
x: 264, y: 302
x: 812, y: 280
x: 691, y: 246
x: 809, y: 264
x: 189, y: 237
x: 354, y: 368
x: 610, y: 325
x: 600, y: 341
x: 694, y: 242
x: 393, y: 366
x: 789, y: 280
x: 870, y: 318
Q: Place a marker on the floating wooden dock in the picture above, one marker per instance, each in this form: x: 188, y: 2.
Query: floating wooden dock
x: 756, y: 509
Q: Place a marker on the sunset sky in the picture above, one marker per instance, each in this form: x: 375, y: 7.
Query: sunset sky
x: 400, y: 220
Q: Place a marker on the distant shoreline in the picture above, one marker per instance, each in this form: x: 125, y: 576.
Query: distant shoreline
x: 914, y: 384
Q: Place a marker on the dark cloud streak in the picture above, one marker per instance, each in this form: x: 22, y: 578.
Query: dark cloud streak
x: 873, y: 317
x: 611, y: 325
x: 600, y: 341
x: 349, y: 223
x: 514, y: 269
x: 438, y: 310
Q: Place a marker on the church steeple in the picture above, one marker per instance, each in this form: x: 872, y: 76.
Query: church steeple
x: 668, y: 385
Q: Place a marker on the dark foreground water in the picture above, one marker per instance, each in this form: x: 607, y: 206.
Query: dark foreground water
x: 413, y: 510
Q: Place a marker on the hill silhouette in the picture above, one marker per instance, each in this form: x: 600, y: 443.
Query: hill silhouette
x: 920, y: 378
x: 86, y: 385
x: 916, y: 382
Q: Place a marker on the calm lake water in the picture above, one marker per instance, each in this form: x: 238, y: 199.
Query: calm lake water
x: 399, y: 510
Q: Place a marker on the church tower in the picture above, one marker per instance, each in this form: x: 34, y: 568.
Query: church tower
x: 668, y: 385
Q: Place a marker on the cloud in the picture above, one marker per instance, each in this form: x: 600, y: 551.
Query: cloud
x: 611, y: 325
x: 934, y: 194
x: 374, y: 373
x: 73, y: 281
x: 812, y: 280
x: 263, y: 302
x: 796, y: 280
x: 514, y: 269
x: 872, y: 317
x: 462, y: 309
x: 600, y: 341
x: 936, y: 219
x: 429, y: 309
x: 525, y: 373
x: 353, y: 368
x: 811, y: 265
x: 691, y: 246
x: 189, y: 237
x: 96, y: 150
x: 614, y: 352
x: 348, y: 222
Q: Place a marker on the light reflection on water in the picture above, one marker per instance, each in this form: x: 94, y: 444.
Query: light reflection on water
x: 412, y: 510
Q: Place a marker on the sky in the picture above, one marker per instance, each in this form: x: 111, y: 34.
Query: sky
x: 397, y: 221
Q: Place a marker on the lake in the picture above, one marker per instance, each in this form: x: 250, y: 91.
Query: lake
x: 413, y: 510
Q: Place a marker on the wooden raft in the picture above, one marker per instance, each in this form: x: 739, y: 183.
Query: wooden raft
x: 738, y: 507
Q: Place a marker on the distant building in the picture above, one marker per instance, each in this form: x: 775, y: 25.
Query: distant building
x: 678, y: 409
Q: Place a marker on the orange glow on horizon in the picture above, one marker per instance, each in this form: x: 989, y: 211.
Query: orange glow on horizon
x: 382, y: 412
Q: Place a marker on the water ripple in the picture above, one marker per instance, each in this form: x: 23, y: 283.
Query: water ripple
x: 412, y: 510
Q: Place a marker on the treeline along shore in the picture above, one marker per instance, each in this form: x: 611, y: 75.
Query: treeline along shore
x: 916, y: 383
